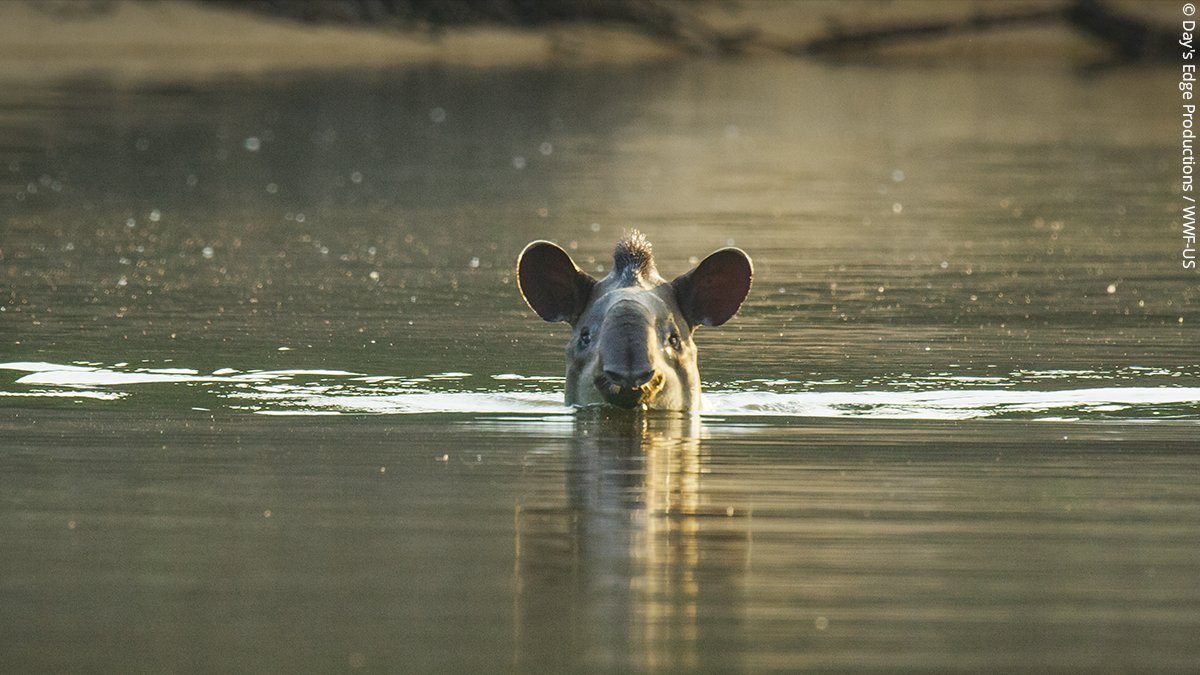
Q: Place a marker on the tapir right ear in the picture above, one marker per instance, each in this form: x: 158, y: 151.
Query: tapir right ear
x: 551, y: 283
x: 711, y: 293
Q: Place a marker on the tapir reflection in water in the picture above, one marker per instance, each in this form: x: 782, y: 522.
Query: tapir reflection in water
x: 631, y: 341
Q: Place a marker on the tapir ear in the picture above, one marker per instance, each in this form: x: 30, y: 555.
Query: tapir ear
x: 711, y: 293
x: 551, y: 283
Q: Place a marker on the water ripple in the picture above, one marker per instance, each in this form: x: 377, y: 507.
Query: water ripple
x: 329, y: 391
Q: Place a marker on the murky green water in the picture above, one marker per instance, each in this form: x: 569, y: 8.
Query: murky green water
x: 269, y: 399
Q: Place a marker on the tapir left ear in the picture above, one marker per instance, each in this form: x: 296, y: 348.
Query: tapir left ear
x: 711, y: 293
x: 551, y: 283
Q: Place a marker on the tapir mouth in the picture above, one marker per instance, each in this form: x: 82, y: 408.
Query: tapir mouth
x: 629, y: 397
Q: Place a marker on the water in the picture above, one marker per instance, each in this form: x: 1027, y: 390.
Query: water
x: 330, y: 392
x: 270, y: 401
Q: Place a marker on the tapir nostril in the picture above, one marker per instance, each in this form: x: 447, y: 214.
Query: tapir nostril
x: 627, y: 379
x: 641, y: 379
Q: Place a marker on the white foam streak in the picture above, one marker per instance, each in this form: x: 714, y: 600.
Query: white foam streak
x: 311, y: 392
x: 97, y: 395
x: 414, y: 403
x: 105, y: 378
x: 954, y: 404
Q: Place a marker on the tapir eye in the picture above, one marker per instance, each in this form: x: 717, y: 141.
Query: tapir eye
x: 675, y: 342
x: 585, y: 338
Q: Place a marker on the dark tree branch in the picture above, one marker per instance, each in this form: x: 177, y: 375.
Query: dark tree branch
x: 1129, y: 37
x: 854, y: 40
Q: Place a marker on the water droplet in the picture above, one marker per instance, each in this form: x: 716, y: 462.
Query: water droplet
x: 594, y: 227
x: 1112, y: 288
x: 897, y: 176
x: 122, y: 282
x: 546, y: 148
x: 252, y: 144
x: 897, y: 207
x: 130, y: 223
x: 356, y: 177
x: 373, y: 276
x: 207, y: 252
x: 944, y: 264
x: 821, y: 623
x: 192, y: 180
x: 438, y: 115
x: 518, y: 162
x: 155, y: 216
x: 299, y: 217
x: 474, y: 263
x: 272, y: 188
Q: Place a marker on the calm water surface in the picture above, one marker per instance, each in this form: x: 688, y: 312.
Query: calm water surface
x: 270, y: 401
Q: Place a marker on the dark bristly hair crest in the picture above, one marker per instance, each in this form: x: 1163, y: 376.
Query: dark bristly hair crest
x: 633, y: 256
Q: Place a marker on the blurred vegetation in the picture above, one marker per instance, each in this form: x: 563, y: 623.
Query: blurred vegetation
x: 672, y: 21
x: 1129, y: 35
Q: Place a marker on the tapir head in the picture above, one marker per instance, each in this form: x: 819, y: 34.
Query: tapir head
x: 631, y: 340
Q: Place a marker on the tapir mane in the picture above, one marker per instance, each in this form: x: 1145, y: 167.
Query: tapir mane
x: 633, y: 257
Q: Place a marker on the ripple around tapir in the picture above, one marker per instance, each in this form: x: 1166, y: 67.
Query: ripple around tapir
x: 333, y: 391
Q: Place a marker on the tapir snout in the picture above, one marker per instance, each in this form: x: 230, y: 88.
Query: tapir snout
x: 631, y: 343
x: 627, y: 372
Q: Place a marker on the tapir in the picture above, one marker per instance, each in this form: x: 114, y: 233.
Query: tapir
x: 631, y: 332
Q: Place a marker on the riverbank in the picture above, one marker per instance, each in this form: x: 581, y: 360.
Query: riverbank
x: 132, y: 40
